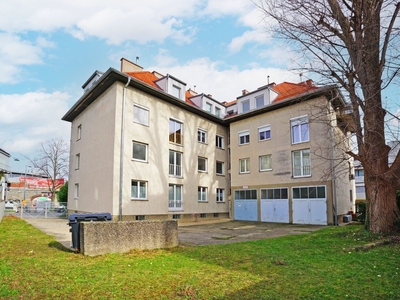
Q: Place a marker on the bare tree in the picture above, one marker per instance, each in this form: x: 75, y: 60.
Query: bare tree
x: 53, y: 161
x: 354, y: 43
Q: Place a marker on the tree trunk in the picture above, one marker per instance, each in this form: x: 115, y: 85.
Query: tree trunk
x: 382, y: 210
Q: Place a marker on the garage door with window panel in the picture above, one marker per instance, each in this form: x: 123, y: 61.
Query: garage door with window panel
x: 309, y: 205
x: 245, y: 205
x: 275, y: 205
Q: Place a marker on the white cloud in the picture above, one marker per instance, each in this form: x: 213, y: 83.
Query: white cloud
x: 224, y: 84
x: 31, y: 118
x: 15, y: 53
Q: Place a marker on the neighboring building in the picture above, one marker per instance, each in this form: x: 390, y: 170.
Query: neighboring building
x: 359, y: 170
x: 4, y: 161
x: 144, y: 147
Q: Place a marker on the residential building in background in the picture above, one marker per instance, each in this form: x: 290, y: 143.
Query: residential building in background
x: 145, y: 147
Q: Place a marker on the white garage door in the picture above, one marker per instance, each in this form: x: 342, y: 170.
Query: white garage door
x: 309, y: 205
x: 245, y: 205
x: 275, y: 205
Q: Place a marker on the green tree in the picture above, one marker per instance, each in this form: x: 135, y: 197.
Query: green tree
x: 62, y: 194
x: 355, y: 44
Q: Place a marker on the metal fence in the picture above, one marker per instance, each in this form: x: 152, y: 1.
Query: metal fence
x: 43, y: 210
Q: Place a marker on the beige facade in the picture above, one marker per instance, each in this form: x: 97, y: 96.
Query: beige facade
x: 181, y: 162
x: 95, y: 159
x: 324, y: 167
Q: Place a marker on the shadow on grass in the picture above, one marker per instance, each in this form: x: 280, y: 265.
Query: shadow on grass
x: 59, y: 246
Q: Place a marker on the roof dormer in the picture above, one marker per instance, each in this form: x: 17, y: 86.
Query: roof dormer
x: 172, y: 86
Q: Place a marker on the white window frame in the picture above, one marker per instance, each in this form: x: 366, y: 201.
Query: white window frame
x: 202, y: 194
x: 261, y: 165
x: 217, y: 112
x: 77, y: 161
x: 222, y: 167
x: 76, y: 191
x: 219, y: 141
x: 300, y: 129
x: 246, y: 165
x: 139, y: 185
x: 257, y: 103
x: 209, y: 107
x: 305, y: 170
x: 202, y: 136
x: 244, y: 134
x: 146, y: 149
x: 264, y: 130
x: 243, y: 103
x: 220, y: 195
x: 205, y: 164
x: 175, y: 204
x: 175, y: 169
x: 138, y: 114
x: 173, y: 136
x: 176, y: 91
x: 79, y: 132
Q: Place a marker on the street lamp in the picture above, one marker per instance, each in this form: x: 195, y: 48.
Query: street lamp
x: 26, y: 167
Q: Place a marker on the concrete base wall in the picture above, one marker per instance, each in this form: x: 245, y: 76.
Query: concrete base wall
x: 98, y: 238
x: 2, y: 205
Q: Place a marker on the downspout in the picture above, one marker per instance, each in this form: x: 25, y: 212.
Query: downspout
x: 333, y: 166
x: 121, y: 154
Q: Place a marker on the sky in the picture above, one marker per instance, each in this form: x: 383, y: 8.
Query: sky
x: 49, y: 48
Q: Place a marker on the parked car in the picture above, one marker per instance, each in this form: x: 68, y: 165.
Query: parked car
x: 10, y: 206
x: 60, y: 208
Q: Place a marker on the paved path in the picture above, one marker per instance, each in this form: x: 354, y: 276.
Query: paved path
x: 220, y: 232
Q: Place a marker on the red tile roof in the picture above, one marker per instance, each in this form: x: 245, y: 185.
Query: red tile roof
x: 289, y: 89
x: 146, y: 77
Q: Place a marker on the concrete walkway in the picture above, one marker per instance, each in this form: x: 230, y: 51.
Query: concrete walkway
x: 218, y: 232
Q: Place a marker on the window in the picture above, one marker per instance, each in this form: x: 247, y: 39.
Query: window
x: 77, y: 161
x: 359, y: 173
x: 265, y: 163
x: 220, y: 168
x: 139, y: 151
x: 246, y: 195
x: 176, y: 217
x: 260, y: 101
x: 139, y: 190
x: 76, y: 191
x: 301, y: 163
x: 201, y: 136
x: 360, y: 189
x: 244, y: 137
x: 175, y: 163
x: 218, y: 112
x: 309, y: 192
x: 202, y: 194
x: 176, y: 91
x: 246, y: 106
x: 79, y: 133
x: 202, y: 164
x: 203, y: 216
x: 219, y: 141
x: 244, y: 165
x: 174, y: 196
x: 175, y: 132
x: 278, y: 193
x: 300, y: 132
x: 140, y: 218
x: 140, y: 115
x: 208, y: 107
x: 220, y: 195
x: 264, y: 133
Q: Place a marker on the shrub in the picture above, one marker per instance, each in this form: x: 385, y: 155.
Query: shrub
x: 361, y: 210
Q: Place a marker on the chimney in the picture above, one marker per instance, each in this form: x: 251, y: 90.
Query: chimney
x: 128, y: 66
x: 309, y: 82
x: 244, y: 92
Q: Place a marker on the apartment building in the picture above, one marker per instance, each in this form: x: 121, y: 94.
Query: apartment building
x: 143, y: 146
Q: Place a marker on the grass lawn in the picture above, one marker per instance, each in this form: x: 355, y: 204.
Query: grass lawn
x: 326, y: 264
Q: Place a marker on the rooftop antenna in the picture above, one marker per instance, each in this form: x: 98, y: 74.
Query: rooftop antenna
x: 194, y: 88
x: 268, y: 79
x: 301, y: 77
x: 137, y: 58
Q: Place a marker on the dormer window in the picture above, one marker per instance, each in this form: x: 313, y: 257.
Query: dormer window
x: 208, y: 107
x: 260, y: 101
x: 246, y: 106
x: 176, y: 91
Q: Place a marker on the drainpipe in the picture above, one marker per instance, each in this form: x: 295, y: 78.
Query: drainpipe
x: 121, y: 154
x: 333, y: 166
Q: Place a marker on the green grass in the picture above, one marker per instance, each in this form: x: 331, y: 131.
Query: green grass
x: 320, y: 265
